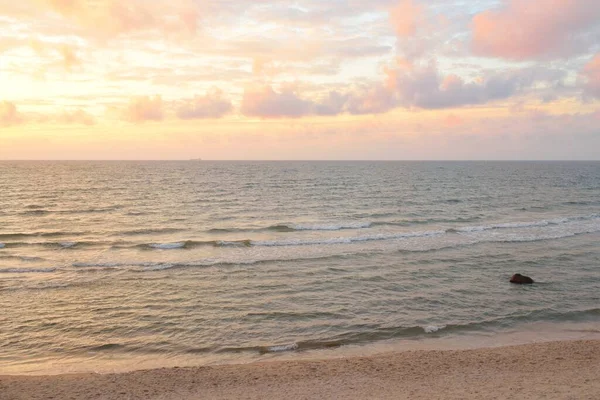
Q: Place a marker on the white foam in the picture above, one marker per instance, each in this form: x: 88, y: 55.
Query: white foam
x: 345, y: 240
x: 433, y: 328
x: 2, y: 245
x: 167, y: 246
x: 67, y: 245
x: 530, y: 224
x: 26, y: 270
x: 286, y: 347
x: 331, y: 227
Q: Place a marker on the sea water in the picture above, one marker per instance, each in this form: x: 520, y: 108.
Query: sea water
x: 204, y: 261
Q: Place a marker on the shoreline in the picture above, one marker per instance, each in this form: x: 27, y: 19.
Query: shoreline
x: 554, y: 370
x: 109, y: 362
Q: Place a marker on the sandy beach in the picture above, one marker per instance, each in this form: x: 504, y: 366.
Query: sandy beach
x: 554, y: 370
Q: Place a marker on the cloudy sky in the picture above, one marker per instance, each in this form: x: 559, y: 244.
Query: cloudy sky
x: 303, y: 79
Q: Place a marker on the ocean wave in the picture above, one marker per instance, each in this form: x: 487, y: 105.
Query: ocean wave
x: 375, y: 333
x: 472, y: 231
x: 40, y: 211
x: 106, y: 347
x: 98, y: 265
x: 208, y: 262
x: 157, y: 266
x: 92, y: 210
x: 30, y: 258
x: 36, y: 213
x: 338, y: 226
x: 138, y: 213
x: 24, y: 235
x: 345, y: 240
x: 150, y: 231
x: 581, y: 203
x: 34, y: 206
x: 295, y: 227
x: 511, y: 231
x: 348, y: 225
x: 55, y: 245
x: 26, y: 270
x: 37, y: 287
x: 433, y: 328
x: 508, y: 225
x: 190, y: 244
x: 329, y: 227
x: 343, y: 339
x: 167, y: 246
x: 21, y: 258
x: 145, y: 266
x: 426, y: 221
x: 518, y: 225
x: 281, y: 348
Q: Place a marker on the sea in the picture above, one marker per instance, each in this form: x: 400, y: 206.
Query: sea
x: 122, y: 265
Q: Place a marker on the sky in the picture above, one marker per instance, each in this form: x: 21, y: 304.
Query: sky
x: 304, y: 79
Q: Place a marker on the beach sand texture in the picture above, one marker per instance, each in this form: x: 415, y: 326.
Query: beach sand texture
x: 553, y: 370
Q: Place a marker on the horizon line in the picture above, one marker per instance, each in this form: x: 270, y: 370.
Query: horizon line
x: 300, y: 160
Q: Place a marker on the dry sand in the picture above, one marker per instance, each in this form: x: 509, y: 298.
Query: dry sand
x: 555, y: 370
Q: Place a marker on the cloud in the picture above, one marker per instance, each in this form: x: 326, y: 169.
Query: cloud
x: 75, y: 117
x: 70, y: 59
x: 62, y: 54
x: 406, y: 18
x: 148, y: 108
x: 9, y: 114
x: 528, y: 29
x: 110, y: 18
x: 591, y: 73
x: 423, y: 86
x: 412, y: 86
x: 212, y: 105
x: 144, y: 108
x: 263, y: 101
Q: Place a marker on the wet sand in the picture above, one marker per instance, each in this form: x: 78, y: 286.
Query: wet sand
x: 554, y: 370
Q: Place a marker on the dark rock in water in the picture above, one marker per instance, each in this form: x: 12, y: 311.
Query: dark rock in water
x: 521, y: 279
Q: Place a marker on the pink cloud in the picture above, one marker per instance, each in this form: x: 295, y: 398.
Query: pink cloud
x: 109, y: 18
x: 423, y: 86
x: 525, y: 29
x: 263, y: 101
x: 591, y: 72
x: 144, y: 108
x: 9, y: 114
x: 406, y: 18
x: 420, y: 86
x: 212, y: 105
x: 375, y: 99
